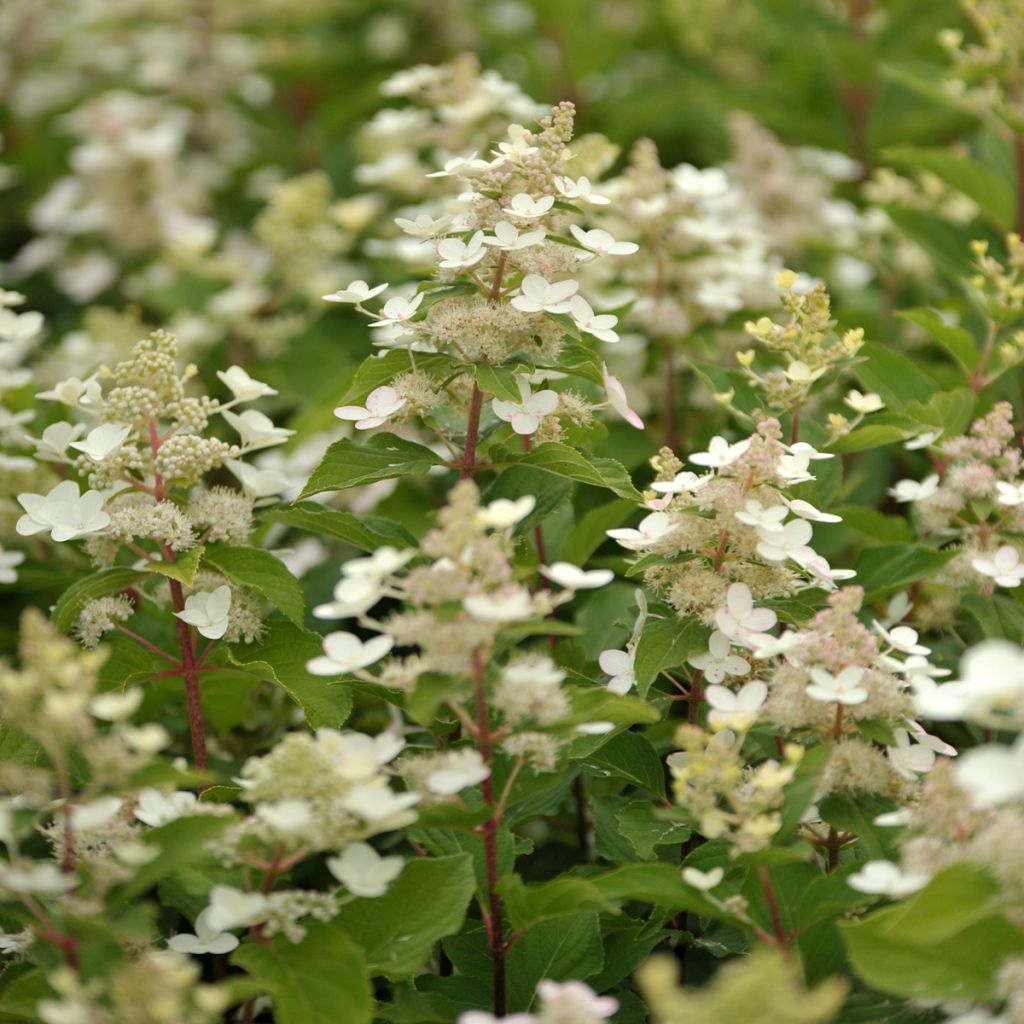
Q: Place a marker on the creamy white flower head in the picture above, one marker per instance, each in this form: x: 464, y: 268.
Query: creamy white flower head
x: 736, y: 710
x: 703, y: 880
x: 992, y: 775
x: 154, y: 808
x: 231, y: 908
x: 822, y: 574
x: 423, y: 226
x: 909, y: 758
x: 883, y: 878
x: 783, y: 645
x: 863, y: 404
x: 602, y: 243
x: 572, y: 1002
x: 1010, y: 495
x: 383, y: 562
x: 116, y: 705
x: 356, y: 293
x: 243, y: 387
x: 648, y: 532
x: 754, y: 513
x: 62, y: 512
x: 363, y: 871
x: 286, y: 816
x: 255, y: 429
x: 923, y: 440
x: 618, y: 400
x: 357, y: 756
x: 95, y: 814
x: 718, y: 661
x: 805, y: 510
x: 352, y: 595
x: 457, y: 770
x: 345, y: 652
x: 258, y: 483
x: 800, y: 373
x: 779, y: 543
x: 620, y: 666
x: 455, y: 254
x: 525, y: 207
x: 842, y: 689
x: 911, y: 490
x: 684, y: 482
x: 1004, y: 566
x: 206, y: 939
x: 572, y: 577
x: 794, y: 469
x: 901, y: 638
x: 52, y: 445
x: 36, y: 879
x: 102, y: 441
x: 208, y: 611
x: 376, y: 801
x: 461, y: 165
x: 74, y: 392
x: 511, y: 603
x: 397, y: 310
x: 503, y: 513
x: 580, y: 189
x: 538, y: 295
x: 600, y: 325
x: 9, y: 562
x: 508, y: 237
x: 525, y: 415
x: 739, y: 618
x: 720, y: 453
x: 381, y: 404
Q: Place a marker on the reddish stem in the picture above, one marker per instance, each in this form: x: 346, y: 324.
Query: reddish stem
x: 191, y: 677
x: 468, y: 466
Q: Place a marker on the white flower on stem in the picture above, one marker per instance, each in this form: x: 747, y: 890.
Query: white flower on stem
x: 458, y: 769
x: 992, y: 775
x: 461, y: 165
x: 684, y: 482
x: 205, y: 940
x: 356, y: 756
x: 258, y: 483
x: 9, y: 562
x: 579, y: 189
x: 154, y: 808
x: 363, y: 871
x: 1004, y: 566
x: 909, y: 758
x: 456, y: 254
x: 243, y: 387
x: 511, y: 603
x: 503, y: 513
x: 38, y: 879
x: 718, y: 661
x: 525, y: 415
x: 902, y: 639
x: 397, y: 310
x: 381, y: 404
x: 116, y: 705
x: 538, y: 295
x: 863, y: 404
x: 352, y: 596
x: 345, y: 652
x: 883, y: 878
x: 377, y: 801
x: 779, y: 543
x: 794, y: 469
x: 356, y: 293
x: 286, y: 816
x: 736, y: 710
x: 776, y: 646
x: 754, y: 513
x: 526, y: 207
x: 208, y: 612
x: 256, y: 429
x: 572, y: 1001
x: 52, y: 446
x: 600, y: 325
x: 800, y: 373
x: 648, y: 532
x: 802, y: 448
x: 572, y: 577
x: 842, y: 689
x: 911, y: 490
x: 923, y: 440
x: 739, y: 619
x: 618, y: 400
x: 62, y: 512
x: 936, y: 743
x: 1010, y: 495
x: 720, y: 453
x: 895, y: 819
x: 231, y: 908
x: 384, y: 562
x: 602, y: 243
x: 508, y: 237
x: 102, y: 441
x: 95, y: 814
x: 620, y: 666
x: 424, y: 226
x: 74, y: 392
x: 822, y: 574
x: 805, y: 510
x: 703, y: 880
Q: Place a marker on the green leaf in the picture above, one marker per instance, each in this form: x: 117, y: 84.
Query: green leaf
x: 589, y: 532
x: 631, y: 757
x: 383, y: 457
x: 567, y: 948
x: 376, y: 372
x: 499, y: 381
x: 551, y: 492
x: 856, y: 812
x: 182, y: 569
x: 560, y: 459
x: 280, y: 657
x: 320, y: 980
x: 364, y: 532
x: 263, y: 572
x: 947, y: 941
x: 896, y: 378
x: 666, y: 643
x: 599, y: 704
x: 884, y: 569
x: 397, y: 931
x: 877, y: 527
x: 957, y: 341
x: 98, y: 584
x: 528, y: 905
x: 984, y: 186
x: 949, y: 409
x: 645, y: 831
x: 871, y: 435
